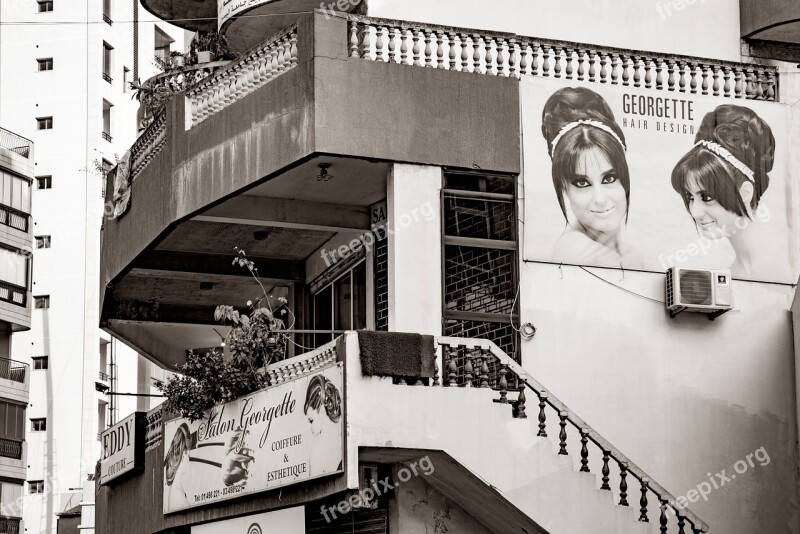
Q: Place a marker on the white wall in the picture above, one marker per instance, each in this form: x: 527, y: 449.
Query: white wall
x: 652, y: 25
x: 681, y: 397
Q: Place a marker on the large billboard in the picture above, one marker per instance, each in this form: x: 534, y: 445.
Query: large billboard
x: 278, y: 436
x: 619, y: 176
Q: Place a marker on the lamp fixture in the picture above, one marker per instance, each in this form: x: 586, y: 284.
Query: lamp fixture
x: 324, y: 175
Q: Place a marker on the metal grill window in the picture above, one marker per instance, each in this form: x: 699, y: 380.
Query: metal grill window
x: 480, y: 259
x: 381, y: 273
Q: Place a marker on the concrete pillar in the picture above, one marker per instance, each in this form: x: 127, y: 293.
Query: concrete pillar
x: 415, y: 249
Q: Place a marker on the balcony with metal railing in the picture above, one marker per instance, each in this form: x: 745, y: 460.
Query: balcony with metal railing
x: 13, y: 370
x: 10, y: 525
x: 15, y: 143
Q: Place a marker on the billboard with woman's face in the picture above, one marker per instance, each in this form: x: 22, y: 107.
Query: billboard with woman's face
x: 642, y: 179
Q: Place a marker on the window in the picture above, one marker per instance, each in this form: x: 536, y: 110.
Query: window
x: 45, y: 6
x: 480, y: 259
x: 126, y: 79
x: 341, y: 304
x: 41, y: 303
x: 107, y: 58
x: 15, y: 192
x: 39, y: 424
x: 35, y: 486
x: 13, y: 269
x: 45, y: 63
x: 40, y: 362
x: 42, y: 241
x: 107, y: 121
x: 12, y: 421
x: 44, y: 123
x: 44, y: 182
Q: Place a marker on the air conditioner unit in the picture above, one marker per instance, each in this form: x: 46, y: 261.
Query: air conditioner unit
x: 699, y: 290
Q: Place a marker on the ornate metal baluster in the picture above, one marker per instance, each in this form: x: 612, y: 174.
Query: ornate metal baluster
x: 542, y: 415
x: 623, y: 484
x: 562, y: 435
x: 681, y: 523
x: 606, y: 471
x: 643, y: 501
x: 484, y: 371
x: 662, y: 520
x: 503, y: 384
x: 453, y: 368
x: 584, y: 450
x: 521, y: 401
x: 467, y: 371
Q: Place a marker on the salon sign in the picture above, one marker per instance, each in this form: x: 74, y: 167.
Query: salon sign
x: 632, y: 177
x: 276, y: 437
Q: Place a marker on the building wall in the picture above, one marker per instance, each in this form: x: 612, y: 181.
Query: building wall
x: 71, y: 212
x: 670, y: 26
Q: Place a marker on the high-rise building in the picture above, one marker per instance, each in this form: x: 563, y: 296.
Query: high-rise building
x: 16, y: 230
x: 65, y: 70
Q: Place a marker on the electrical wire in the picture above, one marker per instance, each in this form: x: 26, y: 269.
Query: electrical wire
x: 609, y: 282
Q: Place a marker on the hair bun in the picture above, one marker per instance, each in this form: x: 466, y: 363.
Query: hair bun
x: 571, y: 104
x: 746, y: 135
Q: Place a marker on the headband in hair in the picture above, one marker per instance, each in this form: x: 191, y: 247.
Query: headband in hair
x: 588, y: 122
x: 725, y: 154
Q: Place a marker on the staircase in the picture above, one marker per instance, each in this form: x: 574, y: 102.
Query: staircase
x: 539, y: 457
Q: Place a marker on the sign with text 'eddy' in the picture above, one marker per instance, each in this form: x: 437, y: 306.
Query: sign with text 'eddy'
x: 288, y: 433
x: 123, y: 448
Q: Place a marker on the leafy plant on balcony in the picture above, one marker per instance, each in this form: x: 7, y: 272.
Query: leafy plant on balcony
x: 257, y: 338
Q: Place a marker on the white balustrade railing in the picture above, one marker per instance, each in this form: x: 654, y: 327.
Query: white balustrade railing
x: 510, y: 55
x: 255, y: 68
x: 149, y: 144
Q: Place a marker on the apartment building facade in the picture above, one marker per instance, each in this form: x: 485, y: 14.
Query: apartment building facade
x: 65, y: 70
x: 16, y: 244
x: 510, y: 184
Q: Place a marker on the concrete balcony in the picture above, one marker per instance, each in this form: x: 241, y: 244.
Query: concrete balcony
x: 771, y: 20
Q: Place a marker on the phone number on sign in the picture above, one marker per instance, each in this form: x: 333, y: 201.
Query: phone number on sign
x: 210, y: 495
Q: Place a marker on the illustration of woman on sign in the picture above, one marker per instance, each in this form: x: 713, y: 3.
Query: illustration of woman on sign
x: 186, y: 473
x: 722, y: 179
x: 323, y: 408
x: 591, y: 178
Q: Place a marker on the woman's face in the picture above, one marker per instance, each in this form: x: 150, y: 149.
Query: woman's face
x: 315, y: 420
x: 712, y: 219
x: 596, y: 194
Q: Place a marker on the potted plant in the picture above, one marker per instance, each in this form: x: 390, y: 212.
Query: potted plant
x: 257, y: 338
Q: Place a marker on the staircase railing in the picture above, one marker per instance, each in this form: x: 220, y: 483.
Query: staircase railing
x: 482, y: 364
x: 510, y: 55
